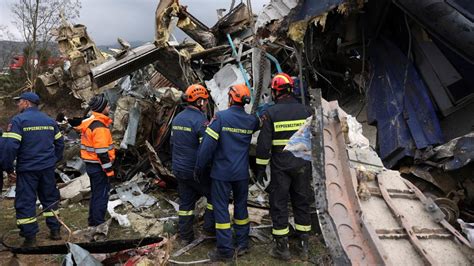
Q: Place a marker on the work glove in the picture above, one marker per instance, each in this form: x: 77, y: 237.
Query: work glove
x: 75, y: 121
x: 197, y: 175
x: 261, y: 175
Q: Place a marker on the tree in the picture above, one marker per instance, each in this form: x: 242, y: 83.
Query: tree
x: 35, y: 20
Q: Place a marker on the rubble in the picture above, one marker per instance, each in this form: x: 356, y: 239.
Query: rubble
x: 367, y: 189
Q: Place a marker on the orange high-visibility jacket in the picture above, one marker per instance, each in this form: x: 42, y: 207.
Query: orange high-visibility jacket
x: 96, y: 142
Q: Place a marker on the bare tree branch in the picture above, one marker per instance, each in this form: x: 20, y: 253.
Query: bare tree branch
x: 36, y: 19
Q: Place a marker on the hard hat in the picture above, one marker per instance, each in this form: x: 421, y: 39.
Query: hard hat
x: 282, y: 81
x: 195, y: 92
x: 240, y: 93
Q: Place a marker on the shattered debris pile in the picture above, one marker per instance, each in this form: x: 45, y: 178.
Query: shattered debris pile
x: 402, y: 200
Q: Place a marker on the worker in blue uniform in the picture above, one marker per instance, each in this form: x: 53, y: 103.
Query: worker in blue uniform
x: 227, y: 141
x: 33, y: 138
x: 187, y: 131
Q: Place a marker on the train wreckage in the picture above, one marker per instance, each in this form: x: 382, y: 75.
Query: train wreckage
x: 401, y: 193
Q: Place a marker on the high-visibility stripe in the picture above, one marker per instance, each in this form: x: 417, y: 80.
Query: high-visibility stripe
x: 280, y: 142
x: 223, y: 226
x: 303, y: 228
x: 12, y: 135
x: 50, y: 213
x: 280, y: 232
x: 212, y: 133
x: 283, y: 77
x: 38, y: 128
x: 181, y: 128
x: 263, y: 161
x: 58, y: 136
x: 26, y: 221
x: 87, y: 148
x: 185, y: 213
x: 101, y: 150
x: 107, y: 165
x: 291, y: 125
x: 91, y: 161
x: 238, y: 130
x: 242, y: 221
x: 210, y: 207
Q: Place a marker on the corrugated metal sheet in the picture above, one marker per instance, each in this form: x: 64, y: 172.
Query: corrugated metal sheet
x: 275, y: 10
x: 159, y: 81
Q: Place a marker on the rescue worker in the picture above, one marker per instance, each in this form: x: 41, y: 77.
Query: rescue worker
x: 98, y: 152
x: 227, y: 141
x: 187, y: 131
x: 33, y: 138
x: 290, y: 176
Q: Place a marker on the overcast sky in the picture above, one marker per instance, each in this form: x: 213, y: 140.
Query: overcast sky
x: 132, y: 20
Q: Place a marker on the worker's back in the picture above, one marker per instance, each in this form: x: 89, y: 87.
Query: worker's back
x: 35, y: 133
x: 187, y: 130
x: 232, y: 129
x: 282, y: 119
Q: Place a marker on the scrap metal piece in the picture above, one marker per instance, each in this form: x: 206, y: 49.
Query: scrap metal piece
x: 354, y: 233
x: 132, y: 193
x: 444, y: 223
x: 191, y: 245
x: 79, y: 256
x: 427, y: 258
x: 452, y: 27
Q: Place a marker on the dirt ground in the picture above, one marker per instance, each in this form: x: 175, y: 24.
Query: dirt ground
x: 75, y: 216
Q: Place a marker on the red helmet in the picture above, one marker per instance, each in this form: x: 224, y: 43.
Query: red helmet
x: 195, y: 92
x: 282, y: 81
x: 240, y: 93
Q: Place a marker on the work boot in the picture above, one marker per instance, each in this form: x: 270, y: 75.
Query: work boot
x: 281, y: 249
x: 29, y: 242
x: 215, y: 255
x: 55, y: 234
x: 303, y: 246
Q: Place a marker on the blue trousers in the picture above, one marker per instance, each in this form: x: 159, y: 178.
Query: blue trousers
x: 100, y: 188
x: 220, y: 192
x: 189, y: 193
x: 29, y: 186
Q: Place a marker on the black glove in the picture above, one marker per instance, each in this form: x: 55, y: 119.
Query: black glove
x: 197, y: 175
x: 76, y: 121
x: 262, y: 175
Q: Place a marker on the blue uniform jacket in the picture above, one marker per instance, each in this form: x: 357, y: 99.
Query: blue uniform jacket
x: 187, y: 131
x: 228, y: 139
x: 34, y: 140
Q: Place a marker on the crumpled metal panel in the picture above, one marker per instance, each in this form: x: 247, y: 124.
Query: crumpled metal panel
x: 343, y: 204
x: 403, y: 112
x: 275, y: 10
x: 395, y: 225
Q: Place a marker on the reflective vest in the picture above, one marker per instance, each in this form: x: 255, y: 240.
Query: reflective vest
x: 96, y: 141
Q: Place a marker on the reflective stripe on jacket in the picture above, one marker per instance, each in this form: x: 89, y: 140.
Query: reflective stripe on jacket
x: 227, y: 143
x: 279, y: 123
x: 34, y: 140
x: 96, y: 141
